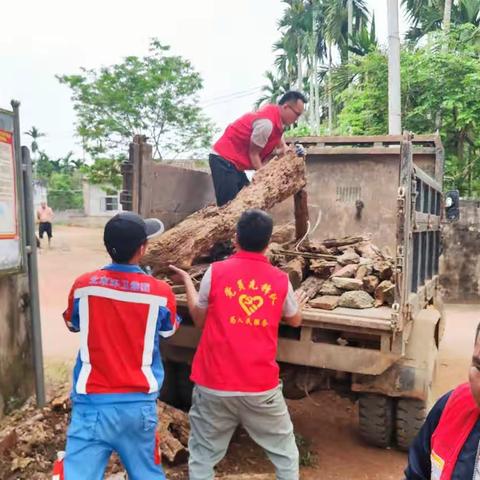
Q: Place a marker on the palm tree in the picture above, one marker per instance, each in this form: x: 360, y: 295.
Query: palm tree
x: 447, y: 16
x: 467, y: 11
x: 337, y: 25
x: 364, y: 41
x: 294, y: 26
x: 275, y: 87
x: 432, y: 15
x: 35, y: 134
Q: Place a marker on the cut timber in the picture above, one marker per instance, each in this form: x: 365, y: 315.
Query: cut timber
x: 385, y: 294
x: 341, y: 242
x: 173, y: 432
x: 295, y: 269
x: 311, y: 286
x: 198, y: 233
x: 283, y: 234
x: 322, y: 268
x: 314, y: 246
x: 301, y: 214
x: 294, y: 253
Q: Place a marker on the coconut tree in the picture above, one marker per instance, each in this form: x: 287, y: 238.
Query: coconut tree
x: 34, y: 133
x: 272, y: 90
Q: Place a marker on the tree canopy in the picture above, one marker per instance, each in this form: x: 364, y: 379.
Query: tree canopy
x: 155, y: 95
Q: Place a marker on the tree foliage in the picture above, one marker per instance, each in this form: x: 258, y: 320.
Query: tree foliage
x: 154, y: 95
x: 436, y: 84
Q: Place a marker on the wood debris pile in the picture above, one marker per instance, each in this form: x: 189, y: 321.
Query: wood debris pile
x: 350, y: 272
x: 30, y: 439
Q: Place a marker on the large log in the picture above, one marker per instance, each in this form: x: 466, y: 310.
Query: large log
x: 311, y: 286
x: 295, y: 269
x: 198, y: 233
x: 173, y: 433
x: 301, y: 214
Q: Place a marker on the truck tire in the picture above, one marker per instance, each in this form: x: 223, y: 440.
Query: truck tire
x: 411, y: 414
x: 376, y: 419
x: 288, y: 376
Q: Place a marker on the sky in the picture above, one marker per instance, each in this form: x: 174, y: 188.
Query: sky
x: 228, y: 41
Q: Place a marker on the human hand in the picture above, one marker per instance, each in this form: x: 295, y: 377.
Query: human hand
x: 299, y: 150
x: 179, y: 274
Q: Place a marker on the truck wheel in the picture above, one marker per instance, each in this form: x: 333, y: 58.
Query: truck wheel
x: 411, y: 414
x: 376, y: 419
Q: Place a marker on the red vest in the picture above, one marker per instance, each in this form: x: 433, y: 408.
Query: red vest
x: 234, y: 144
x: 238, y: 346
x: 457, y: 421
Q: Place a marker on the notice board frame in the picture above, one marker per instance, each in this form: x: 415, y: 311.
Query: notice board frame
x: 12, y: 247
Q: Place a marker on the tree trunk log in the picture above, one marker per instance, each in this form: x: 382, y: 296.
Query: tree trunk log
x: 198, y: 233
x: 173, y: 431
x: 311, y: 286
x: 295, y: 269
x: 301, y: 214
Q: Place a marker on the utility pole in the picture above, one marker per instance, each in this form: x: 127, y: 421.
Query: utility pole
x: 394, y: 90
x: 447, y: 16
x: 350, y: 26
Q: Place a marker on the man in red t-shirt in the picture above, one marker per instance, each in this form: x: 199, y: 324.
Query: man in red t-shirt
x: 249, y: 142
x: 239, y: 306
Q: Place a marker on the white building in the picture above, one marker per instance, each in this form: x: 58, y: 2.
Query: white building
x: 97, y: 202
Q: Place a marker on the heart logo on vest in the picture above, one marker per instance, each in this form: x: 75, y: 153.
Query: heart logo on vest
x: 250, y: 304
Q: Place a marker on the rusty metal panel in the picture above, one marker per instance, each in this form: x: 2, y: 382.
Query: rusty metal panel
x: 322, y: 355
x: 336, y: 183
x: 172, y: 193
x: 335, y: 357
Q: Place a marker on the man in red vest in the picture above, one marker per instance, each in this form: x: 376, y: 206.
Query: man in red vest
x: 249, y: 142
x: 239, y: 306
x: 448, y: 445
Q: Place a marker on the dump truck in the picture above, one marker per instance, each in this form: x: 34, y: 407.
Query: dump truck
x: 389, y: 187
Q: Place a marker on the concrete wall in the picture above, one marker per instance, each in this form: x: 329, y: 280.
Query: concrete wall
x: 16, y: 371
x: 460, y: 263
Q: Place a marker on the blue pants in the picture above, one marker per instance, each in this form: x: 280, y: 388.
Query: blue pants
x: 97, y: 431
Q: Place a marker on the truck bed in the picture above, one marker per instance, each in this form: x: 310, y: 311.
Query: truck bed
x: 371, y: 319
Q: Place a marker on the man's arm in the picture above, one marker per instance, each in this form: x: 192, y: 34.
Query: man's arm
x: 419, y: 464
x: 71, y: 315
x: 254, y: 154
x: 262, y: 129
x: 282, y: 147
x: 292, y: 308
x: 197, y: 310
x: 169, y: 320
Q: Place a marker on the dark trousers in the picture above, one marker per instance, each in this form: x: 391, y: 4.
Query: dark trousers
x: 227, y: 180
x: 45, y: 227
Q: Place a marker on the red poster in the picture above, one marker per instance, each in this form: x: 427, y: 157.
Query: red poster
x: 8, y: 194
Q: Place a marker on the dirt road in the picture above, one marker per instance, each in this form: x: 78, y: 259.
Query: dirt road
x: 325, y: 420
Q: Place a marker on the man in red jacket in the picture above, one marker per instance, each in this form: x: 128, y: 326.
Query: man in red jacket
x: 239, y: 306
x: 248, y: 143
x: 447, y: 446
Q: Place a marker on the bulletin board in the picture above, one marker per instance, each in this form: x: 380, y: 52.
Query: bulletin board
x: 10, y: 245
